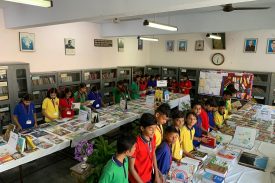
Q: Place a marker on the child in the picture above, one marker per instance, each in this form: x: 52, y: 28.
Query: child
x: 120, y: 92
x: 143, y: 161
x: 50, y: 106
x: 80, y: 96
x: 227, y: 95
x: 163, y: 152
x: 185, y: 85
x: 178, y: 122
x: 174, y: 85
x: 116, y: 170
x: 211, y: 108
x: 143, y: 86
x: 221, y: 114
x: 162, y: 113
x: 198, y: 126
x: 65, y: 104
x: 135, y: 88
x: 95, y: 95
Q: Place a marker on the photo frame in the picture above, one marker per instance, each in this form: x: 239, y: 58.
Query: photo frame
x: 140, y: 44
x: 199, y: 45
x: 182, y: 45
x: 270, y: 48
x: 170, y: 45
x: 219, y: 44
x: 69, y: 44
x: 250, y: 45
x: 120, y: 44
x: 27, y: 41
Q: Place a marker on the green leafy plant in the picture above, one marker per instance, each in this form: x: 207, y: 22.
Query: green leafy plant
x: 103, y: 152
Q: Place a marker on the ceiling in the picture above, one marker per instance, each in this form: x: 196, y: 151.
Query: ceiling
x: 131, y: 14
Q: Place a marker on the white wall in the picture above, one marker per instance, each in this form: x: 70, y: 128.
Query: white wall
x: 50, y: 52
x: 235, y: 58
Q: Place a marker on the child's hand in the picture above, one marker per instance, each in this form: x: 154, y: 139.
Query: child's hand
x: 204, y: 139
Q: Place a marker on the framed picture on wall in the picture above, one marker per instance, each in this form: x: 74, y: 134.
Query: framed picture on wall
x: 27, y: 41
x: 270, y: 46
x: 170, y: 45
x: 69, y: 46
x: 120, y: 44
x: 199, y: 45
x: 250, y: 45
x: 219, y: 44
x: 140, y: 44
x: 182, y: 45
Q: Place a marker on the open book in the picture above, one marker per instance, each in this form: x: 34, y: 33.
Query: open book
x: 244, y: 137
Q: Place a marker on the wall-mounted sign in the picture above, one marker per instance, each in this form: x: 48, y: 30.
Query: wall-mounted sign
x: 103, y: 43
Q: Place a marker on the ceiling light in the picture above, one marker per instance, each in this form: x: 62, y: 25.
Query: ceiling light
x: 159, y: 26
x: 148, y: 38
x: 213, y: 36
x: 41, y: 3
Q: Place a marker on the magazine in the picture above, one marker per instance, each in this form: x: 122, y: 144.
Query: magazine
x: 39, y: 133
x: 54, y: 139
x: 59, y: 131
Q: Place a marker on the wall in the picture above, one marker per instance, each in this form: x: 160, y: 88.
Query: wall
x: 235, y: 58
x: 50, y: 52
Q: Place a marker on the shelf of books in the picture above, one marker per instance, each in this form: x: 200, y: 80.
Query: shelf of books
x: 153, y: 70
x: 271, y: 96
x: 4, y: 90
x: 169, y: 73
x: 41, y: 81
x: 261, y: 87
x: 124, y: 74
x: 137, y: 71
x: 108, y: 82
x: 5, y: 116
x: 68, y: 78
x: 92, y: 78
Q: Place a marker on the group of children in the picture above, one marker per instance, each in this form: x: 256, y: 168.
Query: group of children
x: 150, y: 155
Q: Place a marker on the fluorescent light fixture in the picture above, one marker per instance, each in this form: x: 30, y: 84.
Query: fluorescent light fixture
x: 159, y: 26
x: 41, y: 3
x: 213, y: 36
x: 148, y: 38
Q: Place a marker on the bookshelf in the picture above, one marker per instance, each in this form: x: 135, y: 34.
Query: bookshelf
x: 125, y: 74
x: 92, y: 78
x: 108, y: 82
x: 69, y: 78
x: 261, y: 87
x: 153, y: 70
x: 169, y: 73
x: 137, y: 71
x: 44, y: 80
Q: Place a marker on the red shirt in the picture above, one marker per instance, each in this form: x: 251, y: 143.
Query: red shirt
x: 143, y: 159
x: 66, y: 103
x: 185, y: 84
x: 205, y: 119
x: 174, y: 87
x: 142, y: 88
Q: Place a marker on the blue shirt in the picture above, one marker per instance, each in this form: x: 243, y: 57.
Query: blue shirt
x: 25, y: 113
x: 211, y: 120
x: 198, y: 131
x: 152, y: 83
x: 97, y: 97
x: 164, y: 157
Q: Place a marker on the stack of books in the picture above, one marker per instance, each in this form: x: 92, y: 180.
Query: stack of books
x: 199, y: 155
x: 217, y: 167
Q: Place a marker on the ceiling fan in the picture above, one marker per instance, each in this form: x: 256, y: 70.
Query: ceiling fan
x: 230, y: 8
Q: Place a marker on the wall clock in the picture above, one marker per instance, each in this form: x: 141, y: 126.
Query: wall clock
x: 218, y: 59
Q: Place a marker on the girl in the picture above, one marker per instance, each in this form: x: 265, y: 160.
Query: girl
x: 135, y: 88
x: 142, y: 86
x: 65, y: 104
x: 50, y: 105
x: 185, y: 85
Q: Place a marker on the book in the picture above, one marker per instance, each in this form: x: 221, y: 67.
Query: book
x: 244, y: 137
x: 211, y: 141
x: 5, y: 158
x: 228, y: 155
x: 217, y: 167
x: 59, y: 131
x: 21, y: 143
x: 211, y: 178
x: 39, y: 133
x: 253, y: 161
x: 53, y: 139
x: 197, y: 163
x: 30, y: 144
x: 199, y: 155
x: 180, y: 172
x: 10, y: 129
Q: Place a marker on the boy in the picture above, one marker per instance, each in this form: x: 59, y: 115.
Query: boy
x: 143, y: 163
x: 198, y: 126
x: 221, y: 114
x: 211, y: 108
x: 163, y: 152
x: 162, y: 113
x: 178, y: 122
x: 227, y: 95
x: 116, y: 170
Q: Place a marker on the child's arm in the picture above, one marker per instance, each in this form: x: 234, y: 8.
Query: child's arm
x: 157, y: 174
x: 201, y: 139
x: 133, y: 170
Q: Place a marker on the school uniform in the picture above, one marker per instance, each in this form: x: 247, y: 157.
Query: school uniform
x: 198, y: 131
x: 205, y: 119
x: 187, y: 136
x: 219, y: 118
x: 97, y: 97
x: 174, y: 87
x: 51, y: 107
x: 142, y: 88
x: 144, y: 157
x: 159, y: 135
x: 25, y: 115
x: 67, y: 103
x: 80, y: 98
x: 134, y: 91
x: 164, y: 157
x: 177, y: 147
x: 115, y: 171
x: 211, y: 120
x: 228, y: 105
x: 187, y: 84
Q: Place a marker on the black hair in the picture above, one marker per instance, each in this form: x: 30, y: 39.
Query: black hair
x: 163, y: 109
x: 82, y: 85
x: 177, y: 114
x: 147, y: 119
x: 94, y: 88
x: 26, y: 97
x: 190, y: 113
x: 214, y: 104
x: 196, y: 103
x: 227, y: 92
x: 121, y: 82
x: 67, y: 90
x: 135, y: 78
x: 170, y: 129
x: 221, y: 103
x: 157, y: 76
x: 125, y: 143
x: 52, y: 90
x: 146, y: 75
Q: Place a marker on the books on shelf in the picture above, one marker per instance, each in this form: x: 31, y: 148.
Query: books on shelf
x: 217, y: 167
x: 253, y: 161
x: 211, y: 178
x: 244, y: 137
x: 43, y: 80
x: 211, y: 141
x: 199, y: 155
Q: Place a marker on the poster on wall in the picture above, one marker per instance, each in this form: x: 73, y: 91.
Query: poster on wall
x: 250, y: 45
x: 27, y: 41
x: 271, y: 46
x: 140, y: 44
x: 170, y: 44
x: 182, y: 45
x: 219, y: 44
x: 120, y: 45
x: 199, y: 45
x: 69, y: 46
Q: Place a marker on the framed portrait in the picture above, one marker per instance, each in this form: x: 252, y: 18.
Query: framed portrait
x: 27, y: 41
x: 170, y: 45
x: 270, y: 46
x: 219, y: 44
x: 199, y: 45
x: 250, y: 45
x: 182, y: 45
x: 69, y: 46
x: 120, y: 44
x: 140, y: 44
